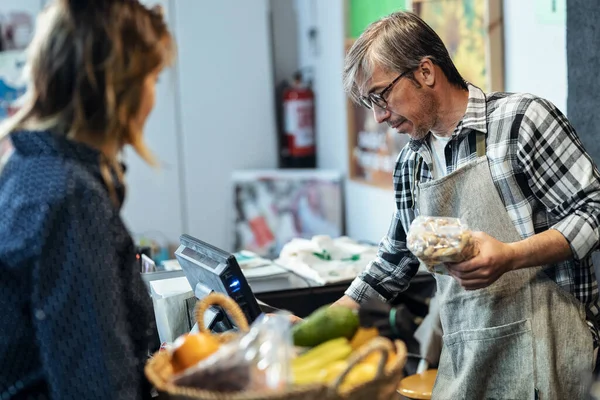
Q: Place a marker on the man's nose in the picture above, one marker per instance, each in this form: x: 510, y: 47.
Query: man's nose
x: 380, y: 114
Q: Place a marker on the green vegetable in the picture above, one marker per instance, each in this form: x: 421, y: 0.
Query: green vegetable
x: 325, y: 324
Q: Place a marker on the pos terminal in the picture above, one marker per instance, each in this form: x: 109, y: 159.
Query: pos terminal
x: 209, y: 269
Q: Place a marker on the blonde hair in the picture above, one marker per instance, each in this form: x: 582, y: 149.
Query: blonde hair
x: 86, y: 67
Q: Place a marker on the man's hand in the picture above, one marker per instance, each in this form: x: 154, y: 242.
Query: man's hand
x: 346, y: 301
x: 292, y: 318
x: 493, y: 260
x: 496, y: 258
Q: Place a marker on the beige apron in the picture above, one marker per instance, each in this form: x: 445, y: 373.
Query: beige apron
x: 523, y: 337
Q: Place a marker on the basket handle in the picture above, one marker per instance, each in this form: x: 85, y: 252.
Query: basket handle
x: 378, y: 344
x: 227, y: 303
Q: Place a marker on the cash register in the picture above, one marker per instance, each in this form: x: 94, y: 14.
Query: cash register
x: 207, y: 269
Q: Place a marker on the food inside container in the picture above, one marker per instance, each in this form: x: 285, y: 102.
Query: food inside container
x: 439, y: 240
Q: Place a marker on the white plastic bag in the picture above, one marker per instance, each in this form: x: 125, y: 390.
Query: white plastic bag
x: 257, y: 361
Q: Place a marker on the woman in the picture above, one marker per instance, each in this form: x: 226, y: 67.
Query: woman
x: 76, y: 318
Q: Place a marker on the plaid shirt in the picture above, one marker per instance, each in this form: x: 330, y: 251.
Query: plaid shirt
x: 544, y: 176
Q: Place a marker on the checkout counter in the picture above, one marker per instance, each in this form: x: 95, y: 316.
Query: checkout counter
x: 282, y: 288
x: 262, y: 288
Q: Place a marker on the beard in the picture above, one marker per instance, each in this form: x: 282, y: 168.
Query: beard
x: 426, y: 117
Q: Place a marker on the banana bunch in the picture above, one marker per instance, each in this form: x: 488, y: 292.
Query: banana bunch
x: 332, y: 335
x: 326, y: 362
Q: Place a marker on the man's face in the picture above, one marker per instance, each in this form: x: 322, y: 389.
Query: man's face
x: 410, y: 109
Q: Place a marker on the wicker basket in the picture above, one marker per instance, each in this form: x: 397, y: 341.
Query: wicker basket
x: 385, y: 385
x: 159, y: 370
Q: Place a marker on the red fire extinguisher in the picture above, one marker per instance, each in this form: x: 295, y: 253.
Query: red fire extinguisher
x: 299, y: 125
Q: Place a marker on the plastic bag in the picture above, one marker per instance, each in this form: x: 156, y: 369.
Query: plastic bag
x: 438, y: 240
x: 258, y: 361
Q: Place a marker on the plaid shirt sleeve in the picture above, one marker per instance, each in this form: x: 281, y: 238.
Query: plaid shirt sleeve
x: 561, y: 175
x: 390, y: 272
x: 394, y: 267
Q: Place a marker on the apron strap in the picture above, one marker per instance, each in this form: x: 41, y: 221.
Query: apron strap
x: 480, y: 144
x: 416, y: 181
x: 479, y: 147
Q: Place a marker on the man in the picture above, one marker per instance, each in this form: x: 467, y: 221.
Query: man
x: 519, y: 318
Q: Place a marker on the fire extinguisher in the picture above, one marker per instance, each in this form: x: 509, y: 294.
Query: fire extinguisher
x: 298, y: 141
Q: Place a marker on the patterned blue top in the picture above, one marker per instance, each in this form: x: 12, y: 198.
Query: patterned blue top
x: 75, y: 317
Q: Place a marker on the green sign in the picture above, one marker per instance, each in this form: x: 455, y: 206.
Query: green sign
x: 363, y: 12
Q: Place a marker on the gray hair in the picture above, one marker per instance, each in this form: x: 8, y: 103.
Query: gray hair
x: 397, y: 43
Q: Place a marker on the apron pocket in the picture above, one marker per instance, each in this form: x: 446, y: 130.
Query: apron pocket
x: 492, y: 362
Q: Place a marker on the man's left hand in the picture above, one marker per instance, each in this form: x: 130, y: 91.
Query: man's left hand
x: 493, y: 260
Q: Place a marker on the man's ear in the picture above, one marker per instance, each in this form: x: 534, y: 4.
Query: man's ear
x: 425, y: 73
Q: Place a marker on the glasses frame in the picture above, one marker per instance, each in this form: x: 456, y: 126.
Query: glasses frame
x: 377, y: 98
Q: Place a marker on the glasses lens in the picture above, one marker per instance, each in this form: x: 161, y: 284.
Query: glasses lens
x: 366, y: 102
x: 378, y: 101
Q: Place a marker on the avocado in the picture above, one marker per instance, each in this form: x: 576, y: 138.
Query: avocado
x: 324, y: 324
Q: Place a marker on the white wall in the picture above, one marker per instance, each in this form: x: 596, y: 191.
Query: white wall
x: 368, y: 209
x: 214, y: 114
x: 226, y: 106
x: 31, y: 6
x: 153, y: 206
x: 284, y: 36
x: 535, y: 53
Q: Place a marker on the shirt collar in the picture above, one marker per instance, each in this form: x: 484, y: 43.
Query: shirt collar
x: 46, y: 143
x: 475, y: 117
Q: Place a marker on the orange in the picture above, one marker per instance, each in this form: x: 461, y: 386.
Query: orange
x: 190, y: 348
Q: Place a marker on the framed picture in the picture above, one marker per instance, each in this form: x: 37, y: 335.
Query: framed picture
x: 12, y: 83
x: 274, y: 206
x: 16, y: 29
x: 472, y: 32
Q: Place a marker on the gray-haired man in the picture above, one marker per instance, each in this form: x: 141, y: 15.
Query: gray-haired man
x: 520, y: 318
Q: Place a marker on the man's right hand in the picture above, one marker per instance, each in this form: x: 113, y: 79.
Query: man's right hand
x: 344, y: 301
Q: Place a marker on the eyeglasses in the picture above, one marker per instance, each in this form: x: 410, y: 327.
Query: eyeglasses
x: 377, y: 98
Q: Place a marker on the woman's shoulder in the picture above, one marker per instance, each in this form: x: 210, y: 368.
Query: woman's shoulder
x: 50, y: 182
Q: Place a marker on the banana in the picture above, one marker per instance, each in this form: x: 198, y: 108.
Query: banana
x: 334, y: 370
x: 360, y: 374
x: 320, y: 351
x: 308, y: 377
x: 362, y: 336
x: 309, y: 367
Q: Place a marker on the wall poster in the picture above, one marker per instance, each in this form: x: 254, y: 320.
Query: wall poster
x: 274, y: 206
x: 16, y: 29
x: 472, y: 32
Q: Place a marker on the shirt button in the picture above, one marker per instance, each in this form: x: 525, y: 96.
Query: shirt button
x: 40, y: 315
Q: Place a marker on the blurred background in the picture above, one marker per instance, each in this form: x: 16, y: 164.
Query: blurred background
x: 250, y: 72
